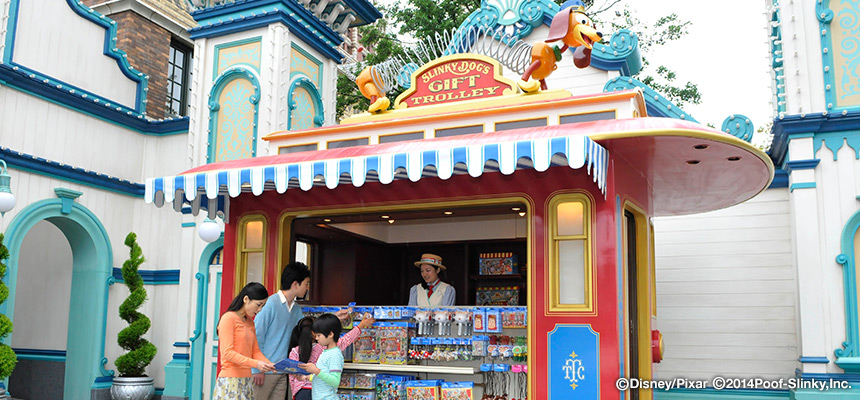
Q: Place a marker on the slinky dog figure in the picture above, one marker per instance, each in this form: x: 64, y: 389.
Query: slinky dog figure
x: 574, y: 29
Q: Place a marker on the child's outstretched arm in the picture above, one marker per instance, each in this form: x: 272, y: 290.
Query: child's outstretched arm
x: 350, y: 337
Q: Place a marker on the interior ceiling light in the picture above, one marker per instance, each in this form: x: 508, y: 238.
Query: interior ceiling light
x: 515, y: 209
x: 522, y: 213
x: 448, y: 212
x: 384, y: 217
x: 327, y: 220
x: 390, y: 221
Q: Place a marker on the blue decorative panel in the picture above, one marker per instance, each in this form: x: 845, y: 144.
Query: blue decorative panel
x: 233, y: 106
x: 244, y: 52
x: 574, y: 362
x: 840, y: 52
x: 305, y: 104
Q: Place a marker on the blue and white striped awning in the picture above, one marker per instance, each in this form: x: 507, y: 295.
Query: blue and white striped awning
x: 210, y: 186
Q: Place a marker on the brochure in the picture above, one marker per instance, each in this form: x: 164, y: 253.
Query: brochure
x: 290, y: 366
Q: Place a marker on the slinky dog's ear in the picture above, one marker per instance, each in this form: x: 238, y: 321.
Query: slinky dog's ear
x: 560, y: 25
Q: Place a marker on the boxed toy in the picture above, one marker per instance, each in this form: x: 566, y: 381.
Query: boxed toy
x: 391, y: 387
x: 364, y: 347
x: 344, y: 395
x: 393, y: 341
x: 423, y: 390
x: 363, y: 395
x: 347, y: 380
x: 497, y: 264
x: 365, y: 381
x: 497, y: 296
x: 457, y: 390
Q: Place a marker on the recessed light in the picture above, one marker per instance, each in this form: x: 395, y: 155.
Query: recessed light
x: 735, y: 158
x: 448, y: 212
x: 700, y: 146
x: 515, y: 209
x: 693, y: 162
x: 384, y: 217
x: 522, y: 213
x: 327, y: 220
x: 390, y: 221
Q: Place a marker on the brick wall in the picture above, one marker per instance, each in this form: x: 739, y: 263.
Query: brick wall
x: 148, y: 48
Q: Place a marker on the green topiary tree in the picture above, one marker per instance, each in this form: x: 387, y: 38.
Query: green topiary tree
x: 140, y: 350
x: 8, y: 359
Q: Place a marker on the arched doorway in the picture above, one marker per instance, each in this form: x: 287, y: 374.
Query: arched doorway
x: 91, y: 263
x: 204, y: 341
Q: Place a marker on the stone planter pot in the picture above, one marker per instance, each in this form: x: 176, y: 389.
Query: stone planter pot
x: 138, y: 388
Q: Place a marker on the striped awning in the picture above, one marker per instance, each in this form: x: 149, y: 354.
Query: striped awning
x: 211, y: 186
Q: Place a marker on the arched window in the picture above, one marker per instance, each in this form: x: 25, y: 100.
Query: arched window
x: 848, y: 357
x: 233, y: 109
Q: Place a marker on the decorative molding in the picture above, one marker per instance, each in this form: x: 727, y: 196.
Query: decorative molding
x: 57, y: 170
x: 802, y: 185
x: 655, y: 103
x: 780, y: 179
x: 244, y: 15
x: 814, y: 360
x: 216, y: 65
x: 152, y: 277
x: 777, y: 59
x: 229, y: 75
x: 61, y: 93
x: 848, y: 19
x: 739, y: 126
x: 848, y: 357
x: 198, y: 338
x: 307, y: 85
x: 41, y: 355
x: 819, y: 126
x: 520, y: 17
x: 801, y: 164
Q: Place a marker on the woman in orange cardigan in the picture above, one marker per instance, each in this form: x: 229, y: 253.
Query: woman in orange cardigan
x: 238, y: 345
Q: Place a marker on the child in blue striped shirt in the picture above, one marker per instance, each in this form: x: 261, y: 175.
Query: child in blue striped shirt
x: 329, y: 366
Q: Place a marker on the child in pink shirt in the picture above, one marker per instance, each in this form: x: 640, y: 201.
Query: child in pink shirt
x: 302, y: 341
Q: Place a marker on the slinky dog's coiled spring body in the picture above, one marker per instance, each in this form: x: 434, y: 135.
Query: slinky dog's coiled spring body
x: 495, y: 43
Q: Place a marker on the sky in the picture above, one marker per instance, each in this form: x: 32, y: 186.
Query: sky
x: 725, y: 53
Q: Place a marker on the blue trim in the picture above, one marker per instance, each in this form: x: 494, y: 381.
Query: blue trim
x: 181, y: 344
x: 244, y: 15
x: 229, y: 75
x: 802, y: 185
x: 41, y: 355
x: 364, y: 10
x: 88, y: 306
x: 655, y: 103
x: 825, y: 17
x: 307, y: 84
x: 198, y: 340
x: 112, y: 51
x: 814, y: 360
x: 780, y: 179
x: 838, y: 124
x: 237, y: 43
x: 61, y: 93
x: 848, y: 357
x: 181, y: 356
x: 801, y: 164
x: 619, y: 273
x: 739, y: 126
x: 69, y: 173
x: 854, y: 379
x: 319, y: 64
x: 188, y: 224
x: 777, y: 55
x: 621, y: 54
x: 157, y: 277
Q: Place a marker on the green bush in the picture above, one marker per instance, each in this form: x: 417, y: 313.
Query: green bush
x: 8, y: 359
x: 140, y: 351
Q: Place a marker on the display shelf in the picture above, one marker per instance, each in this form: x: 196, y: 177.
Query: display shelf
x: 433, y: 369
x: 507, y: 276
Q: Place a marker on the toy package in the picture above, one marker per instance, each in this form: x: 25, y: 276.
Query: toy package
x: 344, y: 395
x: 494, y: 320
x: 391, y: 387
x: 347, y: 380
x: 393, y: 341
x: 423, y: 390
x: 497, y: 264
x: 457, y: 390
x: 363, y: 395
x: 364, y: 381
x: 514, y: 317
x: 364, y: 347
x: 478, y: 318
x: 497, y: 296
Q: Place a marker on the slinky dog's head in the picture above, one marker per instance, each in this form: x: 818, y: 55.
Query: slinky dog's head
x: 575, y: 29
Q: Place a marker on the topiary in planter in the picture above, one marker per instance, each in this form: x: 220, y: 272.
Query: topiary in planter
x: 140, y: 350
x: 8, y: 359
